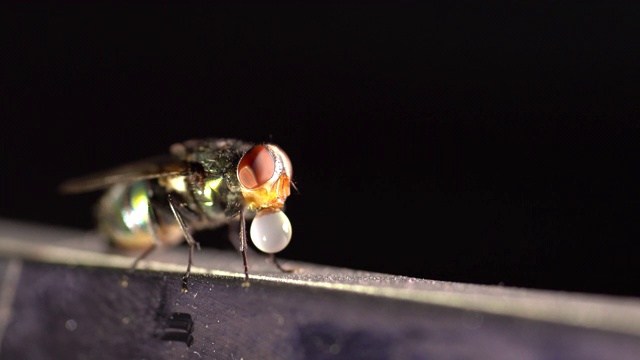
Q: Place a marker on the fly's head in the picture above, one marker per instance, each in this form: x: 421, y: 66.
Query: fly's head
x: 264, y: 173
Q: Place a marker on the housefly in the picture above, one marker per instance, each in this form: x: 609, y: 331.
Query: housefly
x: 200, y: 184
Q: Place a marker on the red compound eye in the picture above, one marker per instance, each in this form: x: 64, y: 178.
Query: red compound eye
x: 256, y: 167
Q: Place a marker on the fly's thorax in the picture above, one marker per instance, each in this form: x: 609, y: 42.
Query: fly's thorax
x: 125, y: 214
x: 215, y: 156
x: 214, y: 185
x: 218, y: 196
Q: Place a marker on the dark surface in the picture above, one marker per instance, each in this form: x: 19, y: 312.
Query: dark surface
x: 84, y: 313
x: 494, y: 142
x: 63, y: 296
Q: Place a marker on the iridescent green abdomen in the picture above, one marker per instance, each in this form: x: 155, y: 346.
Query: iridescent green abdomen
x: 125, y: 214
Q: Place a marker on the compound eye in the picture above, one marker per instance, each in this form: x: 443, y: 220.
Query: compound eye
x: 256, y: 167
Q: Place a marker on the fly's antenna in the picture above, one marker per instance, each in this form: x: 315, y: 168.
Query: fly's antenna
x: 293, y: 185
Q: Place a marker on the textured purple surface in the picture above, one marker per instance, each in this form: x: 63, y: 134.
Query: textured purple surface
x: 61, y: 297
x: 65, y: 312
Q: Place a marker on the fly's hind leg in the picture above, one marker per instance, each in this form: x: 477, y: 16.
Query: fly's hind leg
x: 190, y: 241
x: 154, y: 244
x: 124, y: 282
x: 146, y: 252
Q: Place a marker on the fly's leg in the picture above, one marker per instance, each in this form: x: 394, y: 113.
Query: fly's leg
x: 154, y: 244
x: 244, y: 247
x: 233, y: 229
x: 275, y: 261
x: 241, y: 244
x: 148, y: 251
x: 190, y: 241
x: 124, y: 282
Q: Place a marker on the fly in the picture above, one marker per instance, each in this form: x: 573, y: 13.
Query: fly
x: 200, y: 184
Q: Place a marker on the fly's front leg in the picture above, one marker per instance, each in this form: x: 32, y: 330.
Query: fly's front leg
x: 190, y: 241
x: 275, y: 261
x: 244, y: 247
x: 233, y: 233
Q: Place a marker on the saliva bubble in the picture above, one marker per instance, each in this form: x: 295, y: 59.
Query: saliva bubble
x: 270, y: 230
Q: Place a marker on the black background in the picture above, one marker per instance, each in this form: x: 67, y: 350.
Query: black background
x: 482, y: 142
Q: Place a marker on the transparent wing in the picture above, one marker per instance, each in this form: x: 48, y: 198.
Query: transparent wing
x: 146, y: 169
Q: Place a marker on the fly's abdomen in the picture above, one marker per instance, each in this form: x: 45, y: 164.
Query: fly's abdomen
x: 125, y: 214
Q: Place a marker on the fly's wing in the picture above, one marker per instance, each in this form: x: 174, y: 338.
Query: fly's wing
x: 147, y: 169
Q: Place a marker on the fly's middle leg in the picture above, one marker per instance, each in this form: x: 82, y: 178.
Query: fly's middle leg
x: 190, y: 241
